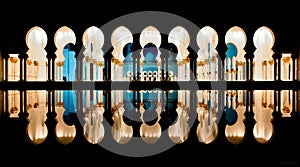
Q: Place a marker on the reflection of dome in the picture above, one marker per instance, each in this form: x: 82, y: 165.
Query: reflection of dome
x: 150, y: 134
x: 263, y: 132
x: 235, y: 134
x: 231, y: 116
x: 150, y: 117
x: 205, y: 136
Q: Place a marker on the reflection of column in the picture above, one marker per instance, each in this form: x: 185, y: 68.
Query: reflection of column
x: 50, y: 120
x: 263, y: 129
x: 294, y: 112
x: 286, y: 103
x: 6, y: 104
x: 249, y: 117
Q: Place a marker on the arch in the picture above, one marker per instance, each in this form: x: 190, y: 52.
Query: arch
x: 36, y: 41
x: 207, y: 60
x: 150, y: 35
x: 93, y: 41
x: 263, y: 40
x: 120, y: 38
x: 180, y: 37
x: 65, y: 60
x: 237, y: 37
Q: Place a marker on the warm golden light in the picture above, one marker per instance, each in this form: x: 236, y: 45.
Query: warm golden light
x: 121, y: 132
x: 37, y: 109
x: 65, y: 134
x: 235, y: 66
x: 93, y: 127
x: 235, y: 133
x: 13, y: 70
x: 207, y: 129
x: 207, y: 61
x: 263, y: 40
x: 179, y: 131
x: 63, y: 36
x: 36, y: 41
x: 150, y: 134
x: 263, y: 108
x: 286, y: 103
x: 286, y: 67
x: 119, y: 38
x: 93, y: 40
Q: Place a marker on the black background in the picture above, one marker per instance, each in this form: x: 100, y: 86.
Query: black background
x: 282, y: 17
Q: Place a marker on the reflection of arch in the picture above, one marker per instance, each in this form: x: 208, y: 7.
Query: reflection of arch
x: 235, y: 133
x: 179, y: 131
x: 64, y: 36
x: 36, y: 129
x: 37, y: 114
x: 207, y: 129
x: 263, y: 132
x: 64, y: 133
x: 93, y: 127
x: 150, y: 133
x: 263, y: 107
x: 36, y: 41
x: 207, y: 132
x: 121, y: 132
